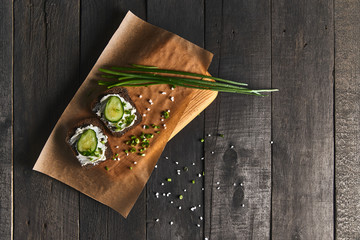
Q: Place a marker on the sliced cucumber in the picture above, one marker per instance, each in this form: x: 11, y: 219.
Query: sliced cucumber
x: 87, y: 143
x: 114, y: 109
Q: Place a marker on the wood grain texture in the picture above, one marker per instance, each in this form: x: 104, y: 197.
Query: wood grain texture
x: 185, y: 18
x: 347, y: 113
x: 6, y: 25
x: 303, y: 130
x: 238, y: 179
x: 99, y: 20
x: 46, y: 57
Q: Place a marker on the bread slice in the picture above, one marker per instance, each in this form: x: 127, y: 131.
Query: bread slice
x: 122, y: 92
x: 82, y: 124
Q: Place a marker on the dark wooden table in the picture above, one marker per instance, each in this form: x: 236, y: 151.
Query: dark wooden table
x: 293, y: 170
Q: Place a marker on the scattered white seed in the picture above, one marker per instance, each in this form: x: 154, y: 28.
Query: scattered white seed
x: 144, y: 115
x: 168, y: 110
x: 135, y: 163
x: 155, y: 166
x: 199, y: 175
x: 218, y: 188
x: 140, y: 96
x: 179, y: 207
x: 212, y: 152
x: 206, y: 238
x: 199, y: 205
x: 178, y: 173
x: 157, y: 220
x: 241, y: 184
x: 171, y: 223
x: 144, y: 127
x: 217, y: 183
x: 271, y: 142
x: 234, y: 184
x: 147, y: 109
x: 164, y: 194
x: 168, y: 194
x: 172, y: 99
x: 161, y: 119
x: 193, y: 208
x: 118, y: 159
x: 202, y: 158
x: 150, y: 101
x: 184, y: 190
x: 177, y: 163
x: 116, y: 146
x: 202, y: 189
x: 157, y: 195
x: 162, y: 184
x: 171, y: 202
x: 209, y: 135
x: 127, y: 154
x: 193, y: 164
x: 163, y: 93
x: 172, y: 88
x: 243, y: 205
x: 232, y: 146
x: 198, y: 225
x: 201, y: 218
x: 166, y: 158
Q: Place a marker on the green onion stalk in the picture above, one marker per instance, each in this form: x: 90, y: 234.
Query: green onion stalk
x: 141, y: 75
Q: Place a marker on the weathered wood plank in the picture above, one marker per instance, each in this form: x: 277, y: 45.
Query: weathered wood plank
x: 6, y: 43
x: 303, y: 130
x: 184, y: 149
x: 238, y: 179
x: 347, y: 113
x: 46, y: 58
x: 99, y: 20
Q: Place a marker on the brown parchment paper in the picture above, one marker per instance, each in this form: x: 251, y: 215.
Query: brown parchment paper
x: 135, y: 41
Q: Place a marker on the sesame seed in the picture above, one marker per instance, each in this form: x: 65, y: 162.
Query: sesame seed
x: 140, y: 96
x: 199, y: 175
x: 218, y: 188
x: 157, y: 220
x: 209, y: 135
x: 199, y: 205
x: 198, y: 225
x: 172, y: 88
x: 171, y: 223
x: 202, y: 189
x: 243, y: 205
x: 201, y: 218
x: 162, y: 184
x: 179, y: 207
x: 212, y: 152
x: 163, y: 93
x: 161, y: 119
x: 168, y: 110
x: 164, y: 194
x: 193, y: 208
x: 118, y: 159
x: 177, y: 164
x: 172, y: 99
x: 143, y: 126
x: 202, y: 158
x: 166, y: 158
x: 184, y: 190
x: 155, y: 166
x: 116, y: 146
x: 235, y: 184
x: 241, y: 184
x: 271, y: 142
x: 148, y: 109
x: 171, y: 202
x: 144, y: 115
x: 232, y: 146
x: 135, y: 163
x: 193, y: 164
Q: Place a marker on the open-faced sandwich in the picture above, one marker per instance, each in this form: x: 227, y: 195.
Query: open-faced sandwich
x: 116, y: 109
x: 89, y: 142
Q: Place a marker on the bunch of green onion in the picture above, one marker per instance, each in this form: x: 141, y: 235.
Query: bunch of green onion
x: 140, y: 75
